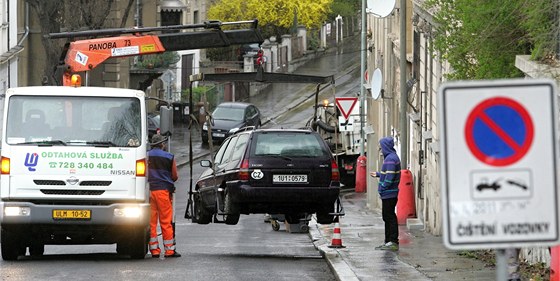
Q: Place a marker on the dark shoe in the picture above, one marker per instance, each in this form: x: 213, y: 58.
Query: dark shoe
x: 174, y: 255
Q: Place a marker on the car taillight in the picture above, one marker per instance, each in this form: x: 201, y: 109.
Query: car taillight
x: 335, y: 174
x: 244, y: 170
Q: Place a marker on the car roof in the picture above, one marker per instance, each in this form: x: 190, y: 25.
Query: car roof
x: 234, y: 104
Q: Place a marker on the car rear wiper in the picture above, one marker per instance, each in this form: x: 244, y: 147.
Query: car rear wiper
x: 45, y: 142
x: 277, y: 156
x: 101, y: 143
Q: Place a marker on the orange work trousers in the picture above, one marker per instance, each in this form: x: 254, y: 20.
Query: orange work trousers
x: 161, y: 207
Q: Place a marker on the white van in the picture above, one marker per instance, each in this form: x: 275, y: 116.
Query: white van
x: 73, y: 169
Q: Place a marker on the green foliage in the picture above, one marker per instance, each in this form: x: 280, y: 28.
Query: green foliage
x: 480, y: 38
x: 274, y: 15
x: 209, y: 92
x: 345, y: 8
x: 158, y: 60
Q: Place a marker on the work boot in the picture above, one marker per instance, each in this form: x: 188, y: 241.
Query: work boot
x: 174, y: 255
x: 389, y: 246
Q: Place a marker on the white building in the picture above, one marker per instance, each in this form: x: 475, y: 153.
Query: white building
x: 10, y: 44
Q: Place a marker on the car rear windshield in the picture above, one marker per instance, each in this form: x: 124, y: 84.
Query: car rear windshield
x: 288, y: 144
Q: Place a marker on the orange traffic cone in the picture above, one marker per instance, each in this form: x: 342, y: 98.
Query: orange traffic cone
x: 336, y: 239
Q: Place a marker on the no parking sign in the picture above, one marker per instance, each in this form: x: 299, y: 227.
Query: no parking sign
x: 499, y: 153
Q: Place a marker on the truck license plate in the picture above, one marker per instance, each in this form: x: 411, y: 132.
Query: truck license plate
x: 71, y: 214
x: 289, y: 178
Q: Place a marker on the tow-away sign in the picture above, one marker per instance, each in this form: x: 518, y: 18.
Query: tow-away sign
x: 499, y: 153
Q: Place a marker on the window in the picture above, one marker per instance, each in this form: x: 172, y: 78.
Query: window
x: 220, y: 153
x: 239, y: 149
x: 75, y: 120
x: 288, y: 145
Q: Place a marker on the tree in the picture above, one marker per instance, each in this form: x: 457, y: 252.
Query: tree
x: 70, y: 15
x: 276, y: 17
x: 345, y: 8
x: 480, y: 38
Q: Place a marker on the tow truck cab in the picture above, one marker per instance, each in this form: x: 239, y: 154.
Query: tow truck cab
x: 73, y: 169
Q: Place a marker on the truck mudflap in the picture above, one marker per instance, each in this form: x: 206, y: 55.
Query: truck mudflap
x: 112, y: 214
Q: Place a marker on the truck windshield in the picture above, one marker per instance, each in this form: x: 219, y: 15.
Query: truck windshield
x: 94, y: 121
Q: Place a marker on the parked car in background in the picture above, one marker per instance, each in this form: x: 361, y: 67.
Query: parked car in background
x: 228, y: 118
x: 275, y: 171
x: 153, y: 125
x: 248, y: 50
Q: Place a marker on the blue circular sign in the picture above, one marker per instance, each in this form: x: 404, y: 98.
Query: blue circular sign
x: 499, y: 131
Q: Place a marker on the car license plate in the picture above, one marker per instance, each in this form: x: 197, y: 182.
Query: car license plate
x: 71, y: 214
x: 218, y: 135
x: 289, y: 178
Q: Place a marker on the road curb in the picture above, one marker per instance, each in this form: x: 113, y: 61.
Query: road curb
x: 340, y: 268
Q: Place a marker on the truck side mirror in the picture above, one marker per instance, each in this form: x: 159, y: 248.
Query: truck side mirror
x: 166, y: 120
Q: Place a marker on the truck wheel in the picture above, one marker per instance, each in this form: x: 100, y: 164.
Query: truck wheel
x: 231, y: 210
x: 36, y: 249
x: 201, y: 214
x: 136, y: 244
x: 11, y: 245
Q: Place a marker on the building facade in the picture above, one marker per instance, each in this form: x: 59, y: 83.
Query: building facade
x: 11, y: 44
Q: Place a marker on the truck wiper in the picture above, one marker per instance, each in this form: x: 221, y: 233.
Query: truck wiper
x: 101, y: 143
x: 45, y: 142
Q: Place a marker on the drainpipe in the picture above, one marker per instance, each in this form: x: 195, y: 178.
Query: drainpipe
x: 26, y: 27
x: 404, y: 95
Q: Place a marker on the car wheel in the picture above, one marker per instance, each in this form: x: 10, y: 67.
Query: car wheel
x: 324, y: 217
x: 201, y: 214
x: 11, y: 244
x: 231, y: 210
x: 293, y: 218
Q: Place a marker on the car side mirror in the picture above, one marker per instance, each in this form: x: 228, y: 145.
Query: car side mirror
x: 206, y: 163
x: 166, y: 120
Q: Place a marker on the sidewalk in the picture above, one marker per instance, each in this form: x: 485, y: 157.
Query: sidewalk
x: 421, y: 256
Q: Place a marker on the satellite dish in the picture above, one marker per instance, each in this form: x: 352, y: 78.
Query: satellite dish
x: 376, y: 83
x: 380, y: 8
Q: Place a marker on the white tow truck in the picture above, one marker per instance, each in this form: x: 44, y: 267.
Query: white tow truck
x: 73, y: 169
x: 343, y: 137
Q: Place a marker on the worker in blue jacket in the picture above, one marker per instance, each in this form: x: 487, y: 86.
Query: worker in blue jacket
x: 388, y: 189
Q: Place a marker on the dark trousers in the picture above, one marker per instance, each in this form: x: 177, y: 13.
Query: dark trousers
x: 390, y: 219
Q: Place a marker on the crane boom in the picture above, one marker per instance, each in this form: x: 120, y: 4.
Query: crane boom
x: 87, y: 54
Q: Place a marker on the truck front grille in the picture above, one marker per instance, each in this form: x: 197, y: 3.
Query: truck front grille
x: 95, y: 183
x: 49, y: 182
x: 71, y: 192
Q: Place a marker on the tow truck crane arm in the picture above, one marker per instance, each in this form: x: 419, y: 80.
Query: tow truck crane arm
x: 86, y: 54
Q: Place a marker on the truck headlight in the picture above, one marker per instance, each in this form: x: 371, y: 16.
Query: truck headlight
x: 17, y: 211
x: 128, y: 212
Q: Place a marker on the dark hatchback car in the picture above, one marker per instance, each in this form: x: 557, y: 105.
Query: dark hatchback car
x: 275, y: 171
x: 228, y: 118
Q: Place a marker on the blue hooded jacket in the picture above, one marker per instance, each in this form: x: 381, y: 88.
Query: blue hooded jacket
x: 390, y: 174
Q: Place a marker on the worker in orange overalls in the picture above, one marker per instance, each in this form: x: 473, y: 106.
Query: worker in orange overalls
x: 162, y: 174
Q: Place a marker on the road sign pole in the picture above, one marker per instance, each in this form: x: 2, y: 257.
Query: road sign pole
x: 501, y: 265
